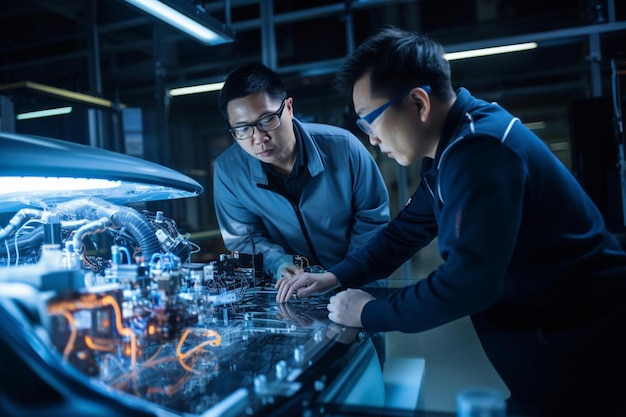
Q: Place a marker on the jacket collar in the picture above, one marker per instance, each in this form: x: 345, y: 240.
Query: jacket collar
x: 454, y: 120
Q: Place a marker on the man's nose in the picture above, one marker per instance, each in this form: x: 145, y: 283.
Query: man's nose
x: 259, y: 136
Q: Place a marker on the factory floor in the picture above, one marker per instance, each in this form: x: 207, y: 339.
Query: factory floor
x: 453, y: 357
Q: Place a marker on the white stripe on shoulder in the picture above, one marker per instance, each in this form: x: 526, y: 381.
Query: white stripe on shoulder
x: 471, y: 121
x: 445, y: 151
x: 508, y: 129
x: 439, y: 192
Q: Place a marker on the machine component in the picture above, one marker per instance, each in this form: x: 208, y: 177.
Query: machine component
x: 95, y: 286
x: 245, y: 265
x: 146, y: 321
x: 167, y: 233
x: 303, y: 263
x: 190, y: 350
x: 77, y: 224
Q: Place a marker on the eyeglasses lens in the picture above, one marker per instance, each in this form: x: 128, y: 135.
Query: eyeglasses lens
x: 266, y: 124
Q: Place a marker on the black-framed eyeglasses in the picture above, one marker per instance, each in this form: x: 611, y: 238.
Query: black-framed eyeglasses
x: 364, y: 123
x: 265, y: 124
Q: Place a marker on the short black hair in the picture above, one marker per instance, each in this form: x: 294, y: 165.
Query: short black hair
x: 397, y: 59
x: 250, y: 79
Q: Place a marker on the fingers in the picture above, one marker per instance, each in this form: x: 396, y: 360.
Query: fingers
x: 334, y: 308
x: 301, y: 284
x: 345, y: 307
x: 286, y: 287
x: 332, y: 317
x: 304, y: 285
x: 281, y: 284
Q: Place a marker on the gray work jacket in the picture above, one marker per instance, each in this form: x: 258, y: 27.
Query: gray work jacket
x: 344, y: 203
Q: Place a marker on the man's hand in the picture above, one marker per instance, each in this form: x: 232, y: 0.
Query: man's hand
x: 345, y: 308
x: 304, y: 285
x: 289, y: 270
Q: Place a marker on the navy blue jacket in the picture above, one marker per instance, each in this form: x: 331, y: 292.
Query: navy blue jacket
x: 525, y: 250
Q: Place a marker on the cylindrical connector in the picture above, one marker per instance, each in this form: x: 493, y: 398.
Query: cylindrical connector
x: 116, y: 256
x: 52, y: 231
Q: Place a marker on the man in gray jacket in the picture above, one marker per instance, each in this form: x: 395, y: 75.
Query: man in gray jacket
x: 296, y: 189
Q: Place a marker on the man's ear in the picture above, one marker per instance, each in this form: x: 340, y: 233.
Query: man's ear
x: 289, y: 106
x: 421, y: 100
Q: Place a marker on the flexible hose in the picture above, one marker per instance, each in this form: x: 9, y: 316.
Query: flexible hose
x: 96, y: 209
x: 18, y: 219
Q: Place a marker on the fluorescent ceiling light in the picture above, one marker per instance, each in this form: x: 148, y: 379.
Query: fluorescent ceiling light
x: 195, y: 89
x: 186, y: 17
x: 43, y: 113
x: 490, y: 51
x: 535, y: 125
x: 66, y: 95
x: 558, y: 146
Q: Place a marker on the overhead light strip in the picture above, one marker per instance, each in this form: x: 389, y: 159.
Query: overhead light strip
x: 81, y: 98
x: 535, y: 125
x: 204, y: 88
x: 496, y: 50
x: 43, y: 113
x: 185, y: 17
x: 195, y: 89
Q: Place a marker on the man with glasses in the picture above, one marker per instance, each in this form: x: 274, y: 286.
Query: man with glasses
x: 291, y: 190
x: 526, y: 252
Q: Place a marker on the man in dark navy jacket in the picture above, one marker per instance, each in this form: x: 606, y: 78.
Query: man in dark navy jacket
x: 526, y: 253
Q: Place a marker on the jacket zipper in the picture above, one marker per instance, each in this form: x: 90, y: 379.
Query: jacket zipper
x: 305, y: 232
x: 425, y: 180
x: 306, y: 235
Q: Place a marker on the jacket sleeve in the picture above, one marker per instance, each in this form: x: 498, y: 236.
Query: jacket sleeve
x: 235, y: 219
x: 482, y: 185
x: 370, y: 197
x: 412, y: 229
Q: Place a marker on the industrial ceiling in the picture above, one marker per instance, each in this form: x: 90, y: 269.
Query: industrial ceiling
x: 110, y: 49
